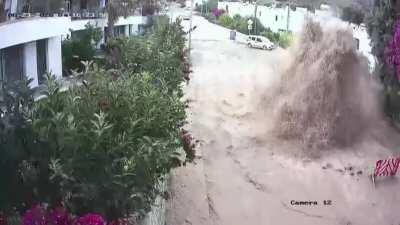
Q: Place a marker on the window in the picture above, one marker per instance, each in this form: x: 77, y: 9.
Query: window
x: 41, y: 54
x: 259, y: 40
x: 276, y: 18
x: 12, y: 63
x: 357, y: 43
x: 119, y: 31
x: 83, y: 4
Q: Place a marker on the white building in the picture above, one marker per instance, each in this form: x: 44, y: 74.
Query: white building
x: 30, y: 43
x: 282, y: 19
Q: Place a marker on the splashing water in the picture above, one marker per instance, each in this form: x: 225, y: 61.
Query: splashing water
x: 326, y: 96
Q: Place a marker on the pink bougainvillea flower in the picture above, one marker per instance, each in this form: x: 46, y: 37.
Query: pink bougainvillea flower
x: 90, y: 219
x: 35, y: 216
x: 59, y: 216
x: 3, y: 219
x: 392, y: 50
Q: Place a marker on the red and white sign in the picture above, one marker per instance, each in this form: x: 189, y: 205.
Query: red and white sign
x: 386, y: 167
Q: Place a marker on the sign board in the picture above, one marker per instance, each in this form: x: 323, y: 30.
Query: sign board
x: 385, y: 168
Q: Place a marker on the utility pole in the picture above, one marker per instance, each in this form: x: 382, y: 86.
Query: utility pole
x: 190, y: 28
x: 288, y: 17
x: 255, y: 18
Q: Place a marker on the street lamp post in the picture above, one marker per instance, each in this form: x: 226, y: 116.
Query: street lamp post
x: 190, y: 27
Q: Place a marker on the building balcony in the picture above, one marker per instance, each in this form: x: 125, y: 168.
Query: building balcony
x: 14, y: 32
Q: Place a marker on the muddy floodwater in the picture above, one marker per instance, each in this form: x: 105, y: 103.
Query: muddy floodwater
x: 279, y: 147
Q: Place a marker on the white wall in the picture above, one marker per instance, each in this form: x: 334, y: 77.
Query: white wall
x: 30, y: 62
x: 32, y: 29
x: 54, y: 56
x: 271, y: 17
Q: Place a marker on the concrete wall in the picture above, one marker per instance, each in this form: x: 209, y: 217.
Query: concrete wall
x: 54, y: 56
x: 32, y: 29
x: 30, y: 62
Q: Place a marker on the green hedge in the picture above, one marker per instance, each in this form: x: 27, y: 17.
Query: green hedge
x: 102, y: 146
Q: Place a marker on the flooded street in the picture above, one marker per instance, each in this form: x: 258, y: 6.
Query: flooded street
x: 243, y: 175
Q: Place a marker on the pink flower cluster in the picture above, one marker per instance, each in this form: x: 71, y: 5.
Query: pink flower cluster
x: 3, y: 219
x: 392, y: 50
x: 38, y: 215
x: 217, y: 12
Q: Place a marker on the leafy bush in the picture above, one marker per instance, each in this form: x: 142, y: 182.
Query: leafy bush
x: 283, y: 39
x: 161, y: 55
x: 226, y: 21
x: 80, y: 47
x: 100, y: 147
x: 239, y: 23
x: 208, y: 6
x: 210, y: 17
x: 217, y: 12
x: 272, y: 36
x: 353, y: 14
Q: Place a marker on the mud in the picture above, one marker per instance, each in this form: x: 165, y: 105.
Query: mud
x: 325, y: 97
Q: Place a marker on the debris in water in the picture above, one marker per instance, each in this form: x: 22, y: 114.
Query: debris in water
x: 325, y: 97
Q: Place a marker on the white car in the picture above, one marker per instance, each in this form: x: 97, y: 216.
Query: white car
x: 254, y: 41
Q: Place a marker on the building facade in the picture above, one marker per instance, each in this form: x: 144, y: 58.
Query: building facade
x: 31, y: 34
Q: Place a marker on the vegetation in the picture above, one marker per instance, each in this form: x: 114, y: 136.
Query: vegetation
x: 380, y: 26
x: 100, y: 147
x: 353, y: 15
x: 207, y: 7
x: 118, y: 8
x: 81, y: 46
x: 283, y: 39
x: 238, y: 23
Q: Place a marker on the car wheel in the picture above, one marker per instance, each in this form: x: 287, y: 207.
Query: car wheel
x: 265, y: 47
x: 249, y: 45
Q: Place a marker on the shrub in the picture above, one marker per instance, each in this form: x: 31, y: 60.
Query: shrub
x: 217, y: 12
x: 80, y: 47
x: 353, y: 14
x: 103, y: 146
x: 283, y: 39
x: 226, y: 21
x: 272, y: 36
x: 239, y: 23
x: 380, y: 27
x: 210, y: 17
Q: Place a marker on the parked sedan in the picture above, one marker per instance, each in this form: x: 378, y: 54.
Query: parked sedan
x: 254, y: 41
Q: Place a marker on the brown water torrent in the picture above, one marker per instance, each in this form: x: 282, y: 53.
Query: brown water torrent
x: 326, y: 96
